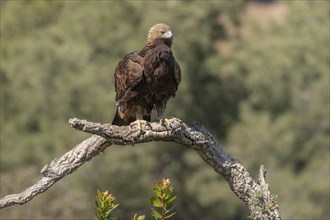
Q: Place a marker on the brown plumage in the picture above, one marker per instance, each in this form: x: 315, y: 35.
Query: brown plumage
x: 146, y: 79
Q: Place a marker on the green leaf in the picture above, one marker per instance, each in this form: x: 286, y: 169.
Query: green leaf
x: 171, y: 208
x: 156, y: 214
x: 156, y: 202
x: 141, y: 217
x: 169, y: 216
x: 158, y: 190
x: 168, y: 201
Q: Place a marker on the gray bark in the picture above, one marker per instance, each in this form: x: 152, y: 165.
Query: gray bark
x: 256, y: 195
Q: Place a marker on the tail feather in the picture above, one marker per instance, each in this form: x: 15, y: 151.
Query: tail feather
x: 147, y: 117
x: 118, y: 120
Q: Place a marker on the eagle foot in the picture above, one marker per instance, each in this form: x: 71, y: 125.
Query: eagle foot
x: 139, y: 123
x: 165, y: 122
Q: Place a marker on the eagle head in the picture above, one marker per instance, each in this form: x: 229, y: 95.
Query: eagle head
x: 160, y: 32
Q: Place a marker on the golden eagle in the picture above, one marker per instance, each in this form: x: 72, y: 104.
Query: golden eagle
x: 146, y: 79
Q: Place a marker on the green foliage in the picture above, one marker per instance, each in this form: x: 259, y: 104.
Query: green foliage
x: 163, y: 200
x: 139, y: 217
x: 104, y: 205
x: 163, y: 203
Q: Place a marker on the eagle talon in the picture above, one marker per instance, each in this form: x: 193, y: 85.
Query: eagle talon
x: 165, y: 122
x: 139, y: 123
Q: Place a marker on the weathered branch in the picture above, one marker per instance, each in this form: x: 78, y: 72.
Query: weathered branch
x: 255, y: 195
x: 59, y: 168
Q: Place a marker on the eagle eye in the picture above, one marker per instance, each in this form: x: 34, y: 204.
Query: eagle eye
x: 162, y: 32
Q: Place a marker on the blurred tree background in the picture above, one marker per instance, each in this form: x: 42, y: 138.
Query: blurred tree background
x: 255, y: 73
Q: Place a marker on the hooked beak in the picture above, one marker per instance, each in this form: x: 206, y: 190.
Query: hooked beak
x: 168, y: 35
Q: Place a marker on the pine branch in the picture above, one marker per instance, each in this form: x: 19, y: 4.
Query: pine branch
x: 255, y: 195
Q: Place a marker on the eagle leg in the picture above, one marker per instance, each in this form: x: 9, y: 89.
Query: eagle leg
x: 139, y: 120
x: 160, y: 107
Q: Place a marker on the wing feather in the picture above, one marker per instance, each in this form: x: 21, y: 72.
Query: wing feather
x: 128, y: 74
x: 177, y: 74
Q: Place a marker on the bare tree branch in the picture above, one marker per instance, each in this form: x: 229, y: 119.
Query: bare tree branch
x: 59, y: 168
x: 255, y: 195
